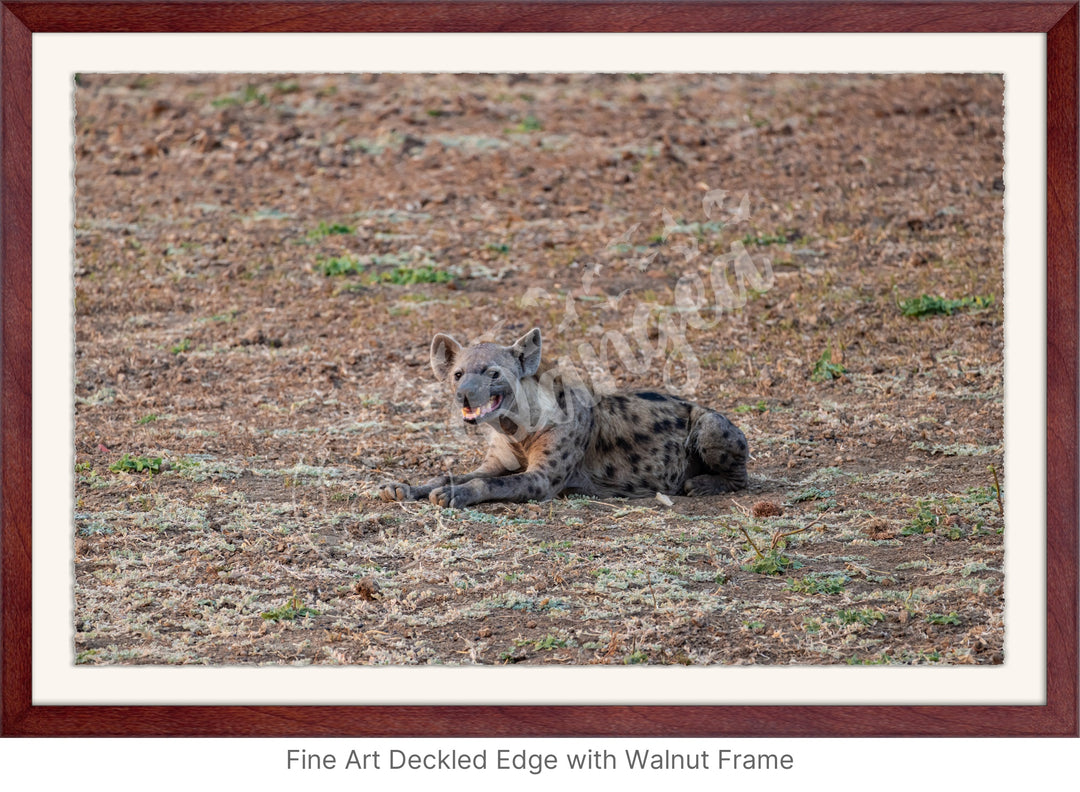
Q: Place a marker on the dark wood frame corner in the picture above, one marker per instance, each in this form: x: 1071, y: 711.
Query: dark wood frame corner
x: 1057, y: 20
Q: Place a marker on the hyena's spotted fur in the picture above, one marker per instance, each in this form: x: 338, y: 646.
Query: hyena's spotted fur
x: 549, y: 434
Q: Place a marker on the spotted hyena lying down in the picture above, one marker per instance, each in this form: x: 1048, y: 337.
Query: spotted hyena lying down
x: 549, y: 434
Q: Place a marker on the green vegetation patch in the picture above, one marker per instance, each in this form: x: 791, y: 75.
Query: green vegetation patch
x: 528, y: 124
x: 812, y: 493
x: 819, y: 583
x: 340, y: 265
x: 293, y: 609
x: 130, y: 464
x: 408, y: 276
x: 324, y: 229
x: 759, y: 407
x: 928, y: 305
x: 770, y: 562
x: 825, y: 369
x: 860, y: 616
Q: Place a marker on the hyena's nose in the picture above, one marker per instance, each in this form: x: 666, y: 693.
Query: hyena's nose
x: 469, y: 394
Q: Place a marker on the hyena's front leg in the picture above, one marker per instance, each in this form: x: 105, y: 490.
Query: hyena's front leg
x: 400, y: 492
x: 533, y: 485
x: 549, y: 467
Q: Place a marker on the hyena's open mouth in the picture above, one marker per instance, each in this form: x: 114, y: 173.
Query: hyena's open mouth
x: 474, y: 414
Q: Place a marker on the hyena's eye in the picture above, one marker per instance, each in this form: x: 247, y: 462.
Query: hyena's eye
x: 457, y: 375
x: 495, y: 374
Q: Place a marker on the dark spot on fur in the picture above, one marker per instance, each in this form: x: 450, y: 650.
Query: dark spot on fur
x: 609, y: 470
x: 742, y: 444
x: 640, y: 438
x: 623, y: 443
x: 602, y: 445
x: 659, y: 427
x: 565, y: 455
x: 652, y: 396
x: 727, y: 433
x: 634, y: 458
x: 680, y: 423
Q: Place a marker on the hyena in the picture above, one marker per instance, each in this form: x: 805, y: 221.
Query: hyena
x: 549, y: 434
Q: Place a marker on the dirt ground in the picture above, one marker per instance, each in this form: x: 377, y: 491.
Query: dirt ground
x: 262, y: 260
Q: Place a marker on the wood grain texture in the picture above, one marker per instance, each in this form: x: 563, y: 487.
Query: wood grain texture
x: 1059, y: 717
x: 572, y: 16
x: 1062, y: 320
x: 15, y: 345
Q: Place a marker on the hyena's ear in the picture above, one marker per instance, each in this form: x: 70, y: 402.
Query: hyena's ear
x: 444, y: 351
x: 527, y: 350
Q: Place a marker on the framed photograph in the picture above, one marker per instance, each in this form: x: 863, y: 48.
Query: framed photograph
x: 539, y: 369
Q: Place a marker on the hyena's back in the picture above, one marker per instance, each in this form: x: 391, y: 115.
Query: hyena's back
x: 645, y: 441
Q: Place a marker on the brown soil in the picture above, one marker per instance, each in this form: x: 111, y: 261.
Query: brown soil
x: 262, y: 261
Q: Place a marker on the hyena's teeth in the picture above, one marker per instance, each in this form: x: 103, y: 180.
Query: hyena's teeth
x: 473, y: 413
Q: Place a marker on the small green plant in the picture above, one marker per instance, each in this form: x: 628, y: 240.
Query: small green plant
x: 772, y: 560
x: 924, y: 519
x: 408, y: 276
x: 250, y: 94
x: 147, y: 419
x: 324, y: 229
x: 529, y: 124
x: 812, y: 493
x: 825, y: 369
x: 881, y: 659
x: 183, y: 346
x: 929, y: 305
x: 636, y: 658
x: 817, y: 583
x: 291, y: 610
x: 95, y: 529
x: 862, y: 616
x: 340, y: 265
x: 549, y: 642
x: 941, y: 618
x: 253, y: 94
x: 759, y: 407
x: 130, y: 464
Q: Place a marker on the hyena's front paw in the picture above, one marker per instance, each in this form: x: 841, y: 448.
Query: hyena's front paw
x: 396, y: 492
x: 453, y: 496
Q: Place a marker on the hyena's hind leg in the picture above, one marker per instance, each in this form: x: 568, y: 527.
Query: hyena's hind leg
x: 718, y: 454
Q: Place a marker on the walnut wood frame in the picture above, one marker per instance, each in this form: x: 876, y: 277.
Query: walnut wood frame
x: 18, y: 715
